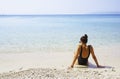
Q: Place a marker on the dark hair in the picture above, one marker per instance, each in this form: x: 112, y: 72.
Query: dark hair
x: 84, y: 39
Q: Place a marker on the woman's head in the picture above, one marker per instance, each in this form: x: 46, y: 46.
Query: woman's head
x: 84, y: 39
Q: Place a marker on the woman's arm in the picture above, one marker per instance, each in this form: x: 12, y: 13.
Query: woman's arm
x: 93, y: 56
x: 76, y: 55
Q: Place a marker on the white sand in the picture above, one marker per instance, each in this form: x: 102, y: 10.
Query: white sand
x: 54, y: 66
x: 47, y: 73
x: 15, y: 62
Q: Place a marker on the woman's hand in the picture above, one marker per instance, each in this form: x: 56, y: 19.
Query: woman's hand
x: 99, y: 66
x: 70, y: 67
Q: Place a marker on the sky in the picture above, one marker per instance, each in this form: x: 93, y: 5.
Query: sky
x: 59, y: 6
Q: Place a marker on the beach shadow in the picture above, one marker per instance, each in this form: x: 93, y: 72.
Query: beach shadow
x: 91, y: 65
x: 94, y: 66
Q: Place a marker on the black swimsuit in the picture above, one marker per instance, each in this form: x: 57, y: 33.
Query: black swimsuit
x: 81, y: 60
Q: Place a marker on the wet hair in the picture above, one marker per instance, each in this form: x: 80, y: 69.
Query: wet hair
x: 84, y: 39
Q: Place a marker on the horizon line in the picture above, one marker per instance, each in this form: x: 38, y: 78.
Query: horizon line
x: 58, y: 14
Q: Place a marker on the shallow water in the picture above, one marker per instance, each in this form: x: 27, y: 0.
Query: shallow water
x: 57, y: 33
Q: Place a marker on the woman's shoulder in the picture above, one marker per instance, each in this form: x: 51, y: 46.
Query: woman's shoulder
x: 79, y: 45
x: 90, y: 46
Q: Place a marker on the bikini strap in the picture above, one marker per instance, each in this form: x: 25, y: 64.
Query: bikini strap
x: 89, y: 50
x: 81, y: 52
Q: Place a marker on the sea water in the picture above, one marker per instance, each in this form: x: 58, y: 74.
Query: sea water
x: 56, y: 33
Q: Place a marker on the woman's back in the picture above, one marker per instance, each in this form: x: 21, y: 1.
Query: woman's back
x: 84, y: 55
x: 85, y: 51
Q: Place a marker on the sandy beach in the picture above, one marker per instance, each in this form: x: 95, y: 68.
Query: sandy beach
x: 42, y: 47
x: 54, y: 66
x: 47, y: 73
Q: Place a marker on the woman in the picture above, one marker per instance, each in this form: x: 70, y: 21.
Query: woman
x: 82, y: 53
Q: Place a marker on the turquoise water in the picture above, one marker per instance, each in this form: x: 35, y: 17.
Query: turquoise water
x: 56, y: 33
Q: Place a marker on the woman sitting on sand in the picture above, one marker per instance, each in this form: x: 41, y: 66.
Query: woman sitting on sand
x: 82, y: 53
